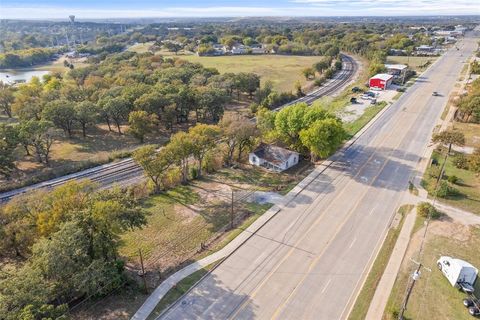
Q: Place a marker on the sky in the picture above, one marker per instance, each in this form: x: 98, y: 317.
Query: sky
x: 98, y: 9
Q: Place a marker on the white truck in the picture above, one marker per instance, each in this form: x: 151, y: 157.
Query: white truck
x: 459, y: 273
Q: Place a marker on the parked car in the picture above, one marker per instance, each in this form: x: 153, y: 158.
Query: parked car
x: 459, y: 273
x: 353, y: 100
x: 371, y: 94
x: 356, y: 90
x: 435, y: 94
x: 373, y: 101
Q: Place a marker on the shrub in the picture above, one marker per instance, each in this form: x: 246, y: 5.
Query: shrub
x: 445, y: 190
x: 460, y: 161
x: 426, y: 209
x: 452, y: 179
x: 194, y: 172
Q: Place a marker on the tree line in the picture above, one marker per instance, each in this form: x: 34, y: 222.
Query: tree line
x: 145, y: 92
x: 66, y: 244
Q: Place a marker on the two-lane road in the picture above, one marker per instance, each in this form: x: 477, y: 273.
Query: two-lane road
x: 310, y: 260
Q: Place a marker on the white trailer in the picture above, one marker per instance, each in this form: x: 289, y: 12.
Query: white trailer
x: 459, y: 273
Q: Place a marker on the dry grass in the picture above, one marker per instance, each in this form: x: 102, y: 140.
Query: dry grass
x: 415, y: 63
x: 433, y: 297
x: 282, y: 71
x: 70, y: 155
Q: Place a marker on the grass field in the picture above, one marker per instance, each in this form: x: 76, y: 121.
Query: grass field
x: 415, y: 63
x: 433, y: 297
x: 282, y: 71
x: 468, y: 186
x: 362, y: 303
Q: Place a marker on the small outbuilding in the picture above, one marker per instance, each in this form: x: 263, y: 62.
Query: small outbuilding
x: 273, y: 158
x: 380, y: 81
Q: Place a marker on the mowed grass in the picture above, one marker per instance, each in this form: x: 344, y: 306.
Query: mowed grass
x: 418, y: 64
x: 468, y: 186
x: 362, y: 303
x: 433, y: 297
x: 282, y: 71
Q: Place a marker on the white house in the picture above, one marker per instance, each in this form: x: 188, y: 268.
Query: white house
x: 273, y: 158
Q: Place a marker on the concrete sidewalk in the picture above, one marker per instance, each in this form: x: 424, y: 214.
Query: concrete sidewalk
x: 152, y: 301
x: 384, y: 287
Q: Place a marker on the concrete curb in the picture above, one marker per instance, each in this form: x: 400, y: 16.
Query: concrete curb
x: 149, y: 305
x: 385, y: 285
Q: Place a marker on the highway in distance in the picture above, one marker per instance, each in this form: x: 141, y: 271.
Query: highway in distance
x: 310, y: 260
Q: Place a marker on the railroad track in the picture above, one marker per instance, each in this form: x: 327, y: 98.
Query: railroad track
x: 126, y: 171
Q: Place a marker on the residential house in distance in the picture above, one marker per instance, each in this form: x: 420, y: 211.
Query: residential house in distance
x: 273, y: 157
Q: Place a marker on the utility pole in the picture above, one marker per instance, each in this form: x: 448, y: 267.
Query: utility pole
x: 416, y: 273
x: 415, y: 276
x: 232, y: 213
x: 143, y: 271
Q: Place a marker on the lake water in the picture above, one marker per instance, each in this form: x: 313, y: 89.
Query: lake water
x: 25, y: 75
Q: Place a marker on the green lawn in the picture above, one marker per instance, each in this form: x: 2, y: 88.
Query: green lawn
x: 362, y: 303
x: 468, y: 185
x: 433, y: 297
x: 282, y: 71
x: 418, y: 64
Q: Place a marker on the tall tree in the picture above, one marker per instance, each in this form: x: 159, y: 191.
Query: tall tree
x: 62, y: 114
x: 141, y: 123
x: 180, y: 147
x: 154, y: 164
x: 6, y: 99
x: 204, y: 139
x: 323, y: 137
x: 86, y: 113
x: 39, y: 135
x: 9, y: 140
x: 449, y: 137
x: 117, y: 109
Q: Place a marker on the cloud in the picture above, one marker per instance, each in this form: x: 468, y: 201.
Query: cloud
x: 291, y: 8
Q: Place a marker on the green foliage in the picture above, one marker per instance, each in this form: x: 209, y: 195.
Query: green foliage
x: 445, y: 190
x: 71, y: 236
x: 62, y: 114
x: 25, y: 58
x: 141, y: 123
x: 9, y: 140
x: 39, y: 136
x: 426, y: 209
x: 452, y: 179
x: 323, y: 137
x: 449, y: 137
x: 460, y: 161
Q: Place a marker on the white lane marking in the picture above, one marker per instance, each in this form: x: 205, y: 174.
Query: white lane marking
x: 326, y: 285
x: 351, y: 244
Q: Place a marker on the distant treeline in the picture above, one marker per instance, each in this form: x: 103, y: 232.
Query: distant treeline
x: 26, y: 58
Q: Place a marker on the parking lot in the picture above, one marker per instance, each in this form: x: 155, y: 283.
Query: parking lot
x: 354, y: 110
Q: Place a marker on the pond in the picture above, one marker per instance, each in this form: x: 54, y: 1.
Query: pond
x: 23, y: 75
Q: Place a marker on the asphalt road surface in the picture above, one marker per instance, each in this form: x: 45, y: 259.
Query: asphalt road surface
x: 126, y: 172
x: 310, y: 260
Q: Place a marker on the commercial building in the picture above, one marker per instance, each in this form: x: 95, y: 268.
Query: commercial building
x: 380, y: 81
